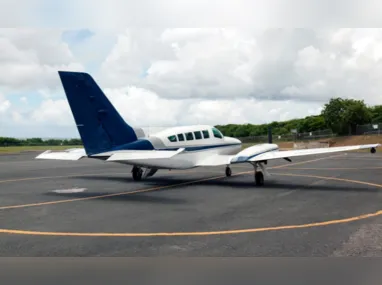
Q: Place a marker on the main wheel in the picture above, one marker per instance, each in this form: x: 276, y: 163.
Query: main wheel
x: 259, y: 178
x: 137, y: 173
x: 228, y: 171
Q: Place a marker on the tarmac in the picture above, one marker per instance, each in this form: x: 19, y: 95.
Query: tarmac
x: 315, y: 206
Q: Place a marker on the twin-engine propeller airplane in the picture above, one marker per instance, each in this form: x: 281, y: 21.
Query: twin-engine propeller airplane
x: 106, y: 136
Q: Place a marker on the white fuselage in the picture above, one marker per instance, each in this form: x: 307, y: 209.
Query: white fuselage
x: 200, y: 142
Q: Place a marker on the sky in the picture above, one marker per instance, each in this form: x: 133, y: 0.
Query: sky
x: 160, y: 76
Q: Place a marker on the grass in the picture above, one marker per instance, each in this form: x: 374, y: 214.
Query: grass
x: 17, y: 149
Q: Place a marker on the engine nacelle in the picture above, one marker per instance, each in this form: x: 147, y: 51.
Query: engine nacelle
x: 253, y: 151
x: 373, y: 150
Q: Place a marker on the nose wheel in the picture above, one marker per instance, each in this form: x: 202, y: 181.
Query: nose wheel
x: 228, y: 171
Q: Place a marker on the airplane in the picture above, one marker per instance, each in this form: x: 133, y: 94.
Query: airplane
x: 106, y: 136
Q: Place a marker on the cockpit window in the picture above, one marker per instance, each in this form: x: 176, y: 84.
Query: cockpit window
x: 180, y: 137
x: 198, y: 135
x: 217, y: 133
x: 189, y: 136
x: 172, y: 138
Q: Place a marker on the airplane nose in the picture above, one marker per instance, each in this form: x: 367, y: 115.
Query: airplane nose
x: 233, y: 140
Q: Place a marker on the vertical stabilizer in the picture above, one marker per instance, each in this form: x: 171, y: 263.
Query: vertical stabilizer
x: 99, y: 124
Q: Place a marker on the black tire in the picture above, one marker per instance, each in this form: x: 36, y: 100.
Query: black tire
x: 137, y: 173
x: 228, y: 171
x: 259, y: 179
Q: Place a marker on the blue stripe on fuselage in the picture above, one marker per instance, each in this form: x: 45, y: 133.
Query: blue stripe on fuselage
x: 143, y: 144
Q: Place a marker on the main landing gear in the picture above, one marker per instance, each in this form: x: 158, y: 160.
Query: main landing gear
x: 259, y: 176
x: 137, y: 173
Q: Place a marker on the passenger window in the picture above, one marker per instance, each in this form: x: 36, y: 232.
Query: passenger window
x: 172, y: 138
x: 198, y: 135
x: 216, y: 133
x: 189, y: 136
x: 180, y: 137
x: 206, y: 134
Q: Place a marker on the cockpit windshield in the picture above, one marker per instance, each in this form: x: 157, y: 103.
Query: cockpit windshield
x: 217, y: 133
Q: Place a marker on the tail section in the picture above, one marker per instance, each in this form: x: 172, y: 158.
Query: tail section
x: 100, y: 125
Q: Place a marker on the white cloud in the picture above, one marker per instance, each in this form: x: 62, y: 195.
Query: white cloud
x: 52, y: 111
x: 143, y: 108
x: 30, y: 59
x: 196, y: 13
x: 274, y: 64
x: 4, y: 104
x: 163, y: 77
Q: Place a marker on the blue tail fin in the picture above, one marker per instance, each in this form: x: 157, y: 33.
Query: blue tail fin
x: 100, y: 126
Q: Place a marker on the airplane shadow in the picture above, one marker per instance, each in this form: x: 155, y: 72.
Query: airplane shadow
x: 235, y: 184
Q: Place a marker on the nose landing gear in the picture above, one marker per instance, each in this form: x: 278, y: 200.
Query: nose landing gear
x: 228, y: 171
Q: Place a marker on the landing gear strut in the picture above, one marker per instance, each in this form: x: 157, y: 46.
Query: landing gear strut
x: 137, y: 173
x: 228, y: 171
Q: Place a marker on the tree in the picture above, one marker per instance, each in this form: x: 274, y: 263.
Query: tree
x: 342, y: 114
x: 333, y: 115
x: 356, y: 113
x: 376, y: 114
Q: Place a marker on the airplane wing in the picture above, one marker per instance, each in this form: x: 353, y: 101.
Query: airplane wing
x: 217, y: 160
x: 117, y: 156
x: 303, y: 152
x: 69, y: 154
x: 143, y: 155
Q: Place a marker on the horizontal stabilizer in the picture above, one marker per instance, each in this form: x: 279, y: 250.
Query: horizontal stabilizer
x: 142, y: 154
x: 70, y: 154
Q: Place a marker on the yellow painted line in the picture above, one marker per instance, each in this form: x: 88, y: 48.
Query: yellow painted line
x: 207, y: 233
x: 222, y: 232
x: 120, y: 193
x: 173, y: 171
x: 335, y: 168
x: 162, y: 234
x: 108, y: 195
x: 331, y: 178
x: 73, y: 176
x: 378, y: 158
x: 303, y: 162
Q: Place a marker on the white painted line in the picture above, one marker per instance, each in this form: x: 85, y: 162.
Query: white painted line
x: 72, y: 190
